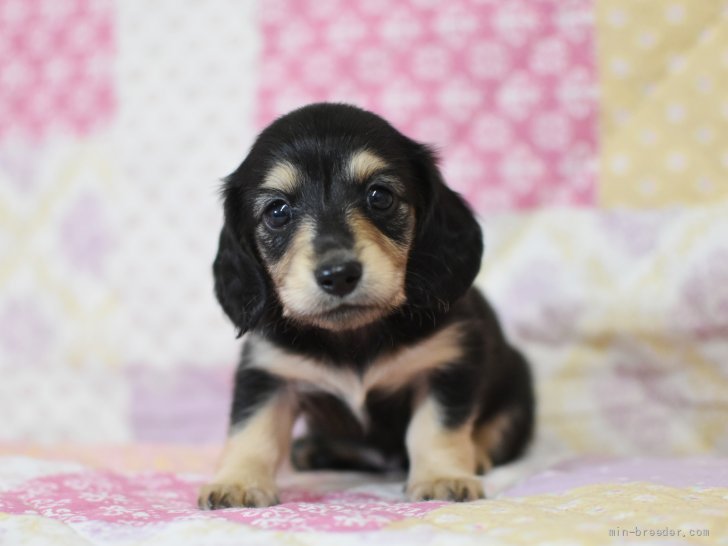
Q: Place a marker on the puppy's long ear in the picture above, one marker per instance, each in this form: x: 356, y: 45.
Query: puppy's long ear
x: 240, y: 284
x: 448, y: 245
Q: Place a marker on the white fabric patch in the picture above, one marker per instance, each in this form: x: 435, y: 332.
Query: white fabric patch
x: 186, y: 84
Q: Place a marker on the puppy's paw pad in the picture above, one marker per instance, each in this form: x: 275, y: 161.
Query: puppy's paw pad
x: 231, y: 495
x: 446, y: 489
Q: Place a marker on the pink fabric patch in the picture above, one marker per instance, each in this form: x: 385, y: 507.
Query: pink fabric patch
x: 55, y: 66
x: 505, y: 90
x: 143, y: 499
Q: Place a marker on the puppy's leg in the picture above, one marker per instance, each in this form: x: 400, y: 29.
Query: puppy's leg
x: 442, y: 458
x: 501, y: 438
x: 502, y: 434
x: 323, y: 453
x: 255, y: 447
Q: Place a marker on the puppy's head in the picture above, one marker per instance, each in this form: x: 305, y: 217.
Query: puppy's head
x: 341, y: 220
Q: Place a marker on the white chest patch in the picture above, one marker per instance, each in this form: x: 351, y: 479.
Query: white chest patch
x: 388, y: 373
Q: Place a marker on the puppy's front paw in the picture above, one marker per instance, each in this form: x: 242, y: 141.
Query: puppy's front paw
x: 449, y: 489
x: 230, y: 495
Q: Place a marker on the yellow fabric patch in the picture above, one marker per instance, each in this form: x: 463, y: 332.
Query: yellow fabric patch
x: 34, y: 263
x: 664, y: 84
x: 593, y: 514
x: 623, y: 316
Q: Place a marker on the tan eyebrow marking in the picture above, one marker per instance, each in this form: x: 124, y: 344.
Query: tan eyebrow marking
x: 365, y: 163
x: 283, y: 177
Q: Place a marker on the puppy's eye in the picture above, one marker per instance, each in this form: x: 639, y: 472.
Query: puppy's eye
x: 277, y: 214
x: 380, y: 198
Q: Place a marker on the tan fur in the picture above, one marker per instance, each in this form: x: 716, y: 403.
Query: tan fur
x: 364, y: 164
x: 252, y: 454
x: 381, y: 288
x: 384, y: 262
x: 283, y: 177
x: 300, y: 294
x: 293, y: 274
x: 442, y: 461
x: 387, y: 373
x: 488, y: 437
x: 367, y: 233
x: 395, y: 371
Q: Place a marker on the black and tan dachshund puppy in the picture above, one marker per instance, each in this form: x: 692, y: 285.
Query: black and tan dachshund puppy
x: 350, y: 263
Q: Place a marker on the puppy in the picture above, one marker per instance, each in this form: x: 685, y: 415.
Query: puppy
x: 349, y: 263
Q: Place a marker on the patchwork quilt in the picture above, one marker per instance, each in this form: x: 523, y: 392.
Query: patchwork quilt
x: 590, y: 136
x: 588, y: 501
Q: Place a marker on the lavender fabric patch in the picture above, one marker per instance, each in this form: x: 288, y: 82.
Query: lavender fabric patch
x: 699, y: 472
x: 180, y: 405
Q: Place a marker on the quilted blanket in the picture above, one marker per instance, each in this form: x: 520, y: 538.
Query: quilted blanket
x: 590, y: 136
x: 590, y: 501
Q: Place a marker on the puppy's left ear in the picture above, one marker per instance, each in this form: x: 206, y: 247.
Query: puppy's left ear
x: 448, y: 245
x: 239, y: 282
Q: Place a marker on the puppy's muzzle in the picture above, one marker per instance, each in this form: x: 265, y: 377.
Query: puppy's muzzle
x: 339, y: 278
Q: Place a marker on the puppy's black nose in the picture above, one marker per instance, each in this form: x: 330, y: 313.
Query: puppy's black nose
x: 339, y: 279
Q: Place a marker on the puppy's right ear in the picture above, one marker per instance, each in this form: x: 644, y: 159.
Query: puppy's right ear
x: 240, y: 284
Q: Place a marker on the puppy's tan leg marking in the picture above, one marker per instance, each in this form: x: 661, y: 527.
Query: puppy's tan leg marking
x: 246, y: 473
x: 442, y: 461
x: 488, y: 438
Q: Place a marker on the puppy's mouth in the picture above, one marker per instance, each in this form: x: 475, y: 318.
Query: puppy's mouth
x: 346, y: 310
x: 346, y: 316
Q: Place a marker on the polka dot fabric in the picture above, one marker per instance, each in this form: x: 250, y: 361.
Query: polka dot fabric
x: 664, y: 72
x: 505, y: 90
x: 55, y: 67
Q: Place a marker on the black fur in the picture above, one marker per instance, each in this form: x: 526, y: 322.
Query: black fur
x: 252, y: 387
x: 444, y: 259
